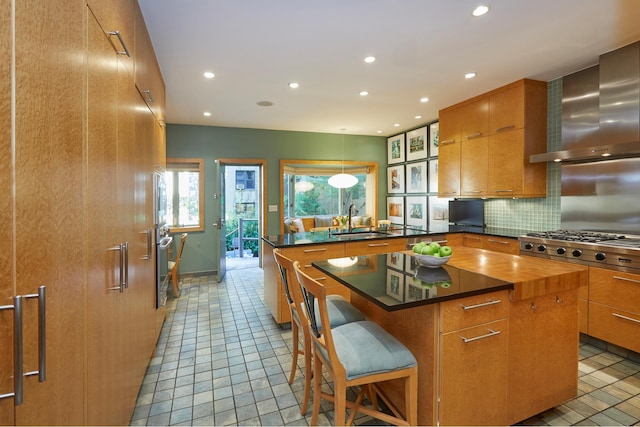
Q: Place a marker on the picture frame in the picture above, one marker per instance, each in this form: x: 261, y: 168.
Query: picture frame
x: 395, y: 284
x: 434, y: 139
x: 438, y: 214
x: 395, y: 260
x: 395, y: 209
x: 433, y: 176
x: 417, y: 144
x: 416, y: 176
x: 395, y: 179
x: 417, y: 214
x: 410, y: 265
x: 395, y: 149
x: 414, y: 292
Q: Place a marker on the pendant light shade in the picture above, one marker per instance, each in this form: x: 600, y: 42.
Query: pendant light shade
x: 343, y: 180
x: 302, y: 186
x: 343, y: 262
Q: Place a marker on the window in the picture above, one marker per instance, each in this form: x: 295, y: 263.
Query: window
x: 245, y: 180
x: 185, y: 194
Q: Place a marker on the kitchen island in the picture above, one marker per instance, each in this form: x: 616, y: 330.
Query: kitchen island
x: 495, y: 335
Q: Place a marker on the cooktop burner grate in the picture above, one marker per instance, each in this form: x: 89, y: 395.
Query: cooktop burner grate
x: 577, y: 236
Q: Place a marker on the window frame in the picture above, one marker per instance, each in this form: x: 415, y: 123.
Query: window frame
x: 188, y: 164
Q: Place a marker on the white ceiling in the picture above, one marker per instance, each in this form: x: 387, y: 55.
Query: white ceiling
x: 423, y: 48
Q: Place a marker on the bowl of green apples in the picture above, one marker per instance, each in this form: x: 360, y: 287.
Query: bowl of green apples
x: 431, y: 255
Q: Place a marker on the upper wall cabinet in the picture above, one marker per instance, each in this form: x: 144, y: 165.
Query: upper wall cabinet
x: 116, y: 18
x: 148, y: 76
x: 489, y: 139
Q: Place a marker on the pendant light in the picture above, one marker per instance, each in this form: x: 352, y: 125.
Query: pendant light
x: 302, y: 186
x: 343, y: 180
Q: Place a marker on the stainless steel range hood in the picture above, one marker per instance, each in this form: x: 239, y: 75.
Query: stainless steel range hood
x: 601, y: 111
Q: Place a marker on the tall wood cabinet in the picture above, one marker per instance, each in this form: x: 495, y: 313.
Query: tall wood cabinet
x: 486, y: 142
x: 76, y: 169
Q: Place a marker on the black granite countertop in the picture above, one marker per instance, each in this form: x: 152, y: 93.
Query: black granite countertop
x: 324, y: 237
x: 395, y: 281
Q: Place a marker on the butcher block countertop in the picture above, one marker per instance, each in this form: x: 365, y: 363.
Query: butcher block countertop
x: 531, y: 277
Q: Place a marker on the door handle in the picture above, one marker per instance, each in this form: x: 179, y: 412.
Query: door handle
x: 18, y: 382
x: 120, y: 286
x: 42, y: 333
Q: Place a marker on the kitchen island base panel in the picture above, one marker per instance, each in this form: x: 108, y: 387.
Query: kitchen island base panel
x: 416, y: 328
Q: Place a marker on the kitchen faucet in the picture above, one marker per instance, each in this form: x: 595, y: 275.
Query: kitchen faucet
x: 351, y: 207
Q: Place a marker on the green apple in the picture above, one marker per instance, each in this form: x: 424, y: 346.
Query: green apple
x: 435, y: 245
x: 445, y: 251
x: 417, y: 248
x: 437, y: 254
x: 429, y: 250
x: 445, y: 284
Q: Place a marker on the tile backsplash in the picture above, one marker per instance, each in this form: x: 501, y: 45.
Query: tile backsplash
x: 537, y: 214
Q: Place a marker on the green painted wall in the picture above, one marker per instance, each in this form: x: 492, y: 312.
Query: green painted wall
x: 211, y: 143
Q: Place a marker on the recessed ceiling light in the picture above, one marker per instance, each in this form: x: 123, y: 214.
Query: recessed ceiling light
x: 470, y: 75
x: 418, y: 117
x: 364, y: 93
x: 294, y: 85
x: 480, y: 10
x: 209, y: 74
x: 396, y: 124
x: 370, y: 59
x: 424, y: 99
x: 264, y: 103
x: 206, y: 114
x: 378, y: 131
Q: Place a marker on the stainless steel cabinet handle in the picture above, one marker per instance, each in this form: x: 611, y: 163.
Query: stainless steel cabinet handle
x: 315, y: 250
x: 491, y: 333
x: 373, y: 245
x: 625, y: 317
x: 626, y: 279
x: 42, y: 334
x: 320, y: 279
x: 503, y: 191
x: 503, y: 128
x: 125, y: 251
x: 124, y: 46
x: 483, y: 304
x: 18, y: 381
x: 474, y: 135
x: 502, y: 242
x: 120, y: 286
x: 470, y: 238
x: 472, y: 191
x: 147, y: 92
x: 148, y: 232
x: 447, y: 141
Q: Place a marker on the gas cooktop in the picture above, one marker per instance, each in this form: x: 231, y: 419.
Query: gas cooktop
x: 577, y: 236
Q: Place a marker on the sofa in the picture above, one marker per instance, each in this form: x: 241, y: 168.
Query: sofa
x: 323, y: 223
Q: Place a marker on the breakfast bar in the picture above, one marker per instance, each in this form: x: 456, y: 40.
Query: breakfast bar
x: 495, y: 335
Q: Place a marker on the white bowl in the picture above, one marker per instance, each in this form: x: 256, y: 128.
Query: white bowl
x: 431, y: 261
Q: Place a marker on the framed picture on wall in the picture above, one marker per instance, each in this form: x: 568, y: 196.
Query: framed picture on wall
x: 410, y: 264
x: 417, y: 177
x: 438, y: 214
x: 395, y: 179
x: 395, y: 210
x: 417, y: 211
x: 414, y: 292
x: 395, y: 284
x: 395, y: 260
x: 395, y: 149
x: 434, y: 139
x: 417, y: 144
x: 433, y: 176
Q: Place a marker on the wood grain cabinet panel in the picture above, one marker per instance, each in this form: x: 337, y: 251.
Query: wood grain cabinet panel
x: 449, y: 169
x: 377, y: 246
x: 537, y: 325
x: 513, y: 118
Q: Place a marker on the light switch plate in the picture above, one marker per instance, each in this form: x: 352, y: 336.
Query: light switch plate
x: 273, y: 208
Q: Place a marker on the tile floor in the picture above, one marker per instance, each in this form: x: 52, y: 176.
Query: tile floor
x: 221, y: 360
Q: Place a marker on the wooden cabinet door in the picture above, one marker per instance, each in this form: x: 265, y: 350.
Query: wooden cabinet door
x: 49, y: 193
x: 449, y: 169
x: 148, y: 78
x: 106, y: 325
x: 506, y: 164
x: 117, y: 16
x: 506, y: 110
x: 473, y: 375
x: 474, y: 119
x: 474, y: 154
x: 536, y: 326
x: 449, y: 126
x: 6, y: 218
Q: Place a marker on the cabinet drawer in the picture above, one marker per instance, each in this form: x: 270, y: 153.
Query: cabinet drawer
x: 310, y: 253
x: 616, y: 326
x: 377, y: 246
x: 474, y: 310
x: 472, y: 241
x: 501, y: 244
x: 614, y: 288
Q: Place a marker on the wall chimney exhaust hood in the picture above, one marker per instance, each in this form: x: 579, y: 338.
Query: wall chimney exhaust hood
x: 601, y: 111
